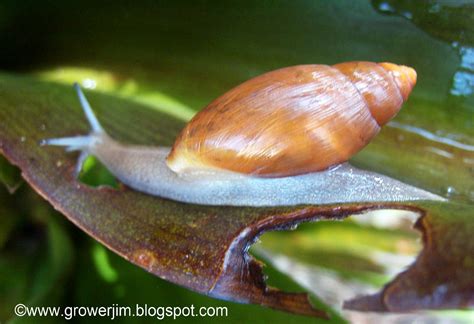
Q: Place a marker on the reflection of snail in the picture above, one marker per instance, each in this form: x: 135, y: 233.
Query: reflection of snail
x: 273, y: 140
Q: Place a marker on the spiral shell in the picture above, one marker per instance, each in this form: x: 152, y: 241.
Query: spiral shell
x: 294, y: 120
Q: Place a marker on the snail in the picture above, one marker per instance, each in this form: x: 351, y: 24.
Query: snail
x: 281, y: 138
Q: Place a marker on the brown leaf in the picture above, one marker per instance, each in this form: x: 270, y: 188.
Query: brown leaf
x: 441, y: 277
x: 202, y: 248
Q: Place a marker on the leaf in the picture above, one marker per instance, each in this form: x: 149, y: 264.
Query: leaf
x: 199, y: 247
x: 442, y: 273
x: 8, y: 219
x: 348, y: 248
x: 451, y: 21
x: 37, y: 260
x: 9, y: 175
x: 155, y: 292
x: 439, y: 278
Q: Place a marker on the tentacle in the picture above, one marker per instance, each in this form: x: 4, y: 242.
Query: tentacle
x: 75, y: 143
x: 82, y: 143
x: 93, y: 121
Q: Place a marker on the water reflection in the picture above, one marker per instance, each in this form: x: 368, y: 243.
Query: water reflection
x: 431, y: 136
x: 451, y: 21
x: 463, y: 80
x: 119, y: 85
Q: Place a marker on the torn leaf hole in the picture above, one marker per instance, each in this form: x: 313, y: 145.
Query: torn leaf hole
x: 337, y: 261
x: 95, y: 174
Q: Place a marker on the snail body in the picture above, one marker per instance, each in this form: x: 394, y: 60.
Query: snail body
x: 281, y: 138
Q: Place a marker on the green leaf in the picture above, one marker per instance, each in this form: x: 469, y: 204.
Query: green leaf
x: 155, y: 292
x: 9, y: 175
x: 199, y: 247
x: 36, y: 262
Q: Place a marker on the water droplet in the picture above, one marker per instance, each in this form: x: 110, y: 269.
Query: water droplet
x: 23, y: 139
x: 467, y: 57
x: 463, y: 84
x: 386, y: 7
x: 451, y: 191
x: 89, y: 83
x: 463, y: 80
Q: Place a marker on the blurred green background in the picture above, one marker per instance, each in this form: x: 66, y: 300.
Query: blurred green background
x: 177, y: 56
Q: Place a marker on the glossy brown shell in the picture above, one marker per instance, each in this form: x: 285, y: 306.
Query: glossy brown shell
x: 293, y: 120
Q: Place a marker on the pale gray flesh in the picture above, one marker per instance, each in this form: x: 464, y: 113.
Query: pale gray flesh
x: 145, y: 169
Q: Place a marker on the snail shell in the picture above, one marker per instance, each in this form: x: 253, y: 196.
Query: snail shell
x: 294, y: 120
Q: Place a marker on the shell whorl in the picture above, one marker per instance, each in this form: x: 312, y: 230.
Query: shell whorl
x: 294, y: 120
x: 384, y: 86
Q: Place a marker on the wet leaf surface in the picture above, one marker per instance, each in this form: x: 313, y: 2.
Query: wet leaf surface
x: 198, y: 247
x: 451, y: 21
